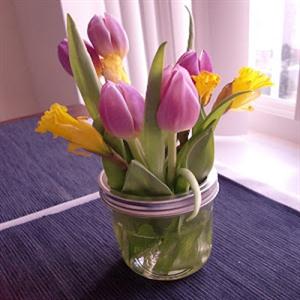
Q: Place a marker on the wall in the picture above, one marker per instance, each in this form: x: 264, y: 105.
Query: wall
x: 16, y: 92
x: 31, y: 77
x: 227, y: 23
x: 42, y: 28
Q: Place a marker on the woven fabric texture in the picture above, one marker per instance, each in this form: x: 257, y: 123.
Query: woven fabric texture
x: 37, y: 172
x: 73, y: 255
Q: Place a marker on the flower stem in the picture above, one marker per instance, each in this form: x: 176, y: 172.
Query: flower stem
x: 190, y: 177
x: 172, y: 138
x: 137, y: 150
x: 202, y: 113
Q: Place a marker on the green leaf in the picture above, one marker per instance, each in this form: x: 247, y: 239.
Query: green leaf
x: 197, y: 155
x: 83, y: 71
x: 182, y: 159
x: 217, y: 113
x: 146, y: 230
x: 168, y: 248
x: 153, y: 140
x: 118, y: 145
x: 202, y: 116
x: 141, y: 182
x: 115, y: 174
x: 190, y: 44
x: 140, y: 243
x: 183, y: 136
x: 201, y: 157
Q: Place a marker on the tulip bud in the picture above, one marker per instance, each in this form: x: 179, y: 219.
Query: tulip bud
x: 194, y: 65
x: 63, y: 56
x: 121, y: 109
x: 190, y: 61
x: 179, y: 105
x: 108, y: 36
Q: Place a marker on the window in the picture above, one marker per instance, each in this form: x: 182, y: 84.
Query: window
x: 274, y: 48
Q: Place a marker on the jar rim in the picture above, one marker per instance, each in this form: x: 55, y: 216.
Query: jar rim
x: 162, y: 205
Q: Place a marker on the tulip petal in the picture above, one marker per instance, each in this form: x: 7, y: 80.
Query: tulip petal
x: 135, y: 104
x: 114, y: 112
x: 95, y: 57
x: 179, y: 108
x: 166, y: 80
x: 99, y: 36
x: 205, y: 62
x: 118, y: 35
x: 63, y: 56
x: 190, y: 61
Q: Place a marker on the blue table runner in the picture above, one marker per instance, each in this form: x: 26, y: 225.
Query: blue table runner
x: 74, y: 255
x: 37, y: 172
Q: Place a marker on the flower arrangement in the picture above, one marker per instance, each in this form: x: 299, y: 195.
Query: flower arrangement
x: 153, y: 146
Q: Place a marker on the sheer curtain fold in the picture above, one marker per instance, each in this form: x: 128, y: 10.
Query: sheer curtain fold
x: 148, y: 23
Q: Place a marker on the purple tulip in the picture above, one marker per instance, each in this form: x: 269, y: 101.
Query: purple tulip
x: 194, y: 65
x: 205, y: 62
x: 179, y: 105
x: 63, y: 56
x: 108, y: 36
x: 121, y: 109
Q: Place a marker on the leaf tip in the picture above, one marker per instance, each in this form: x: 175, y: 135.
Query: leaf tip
x: 162, y: 45
x: 186, y: 7
x: 69, y: 18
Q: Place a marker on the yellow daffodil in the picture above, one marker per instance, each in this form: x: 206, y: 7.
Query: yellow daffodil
x: 248, y: 80
x: 205, y: 83
x: 78, y: 132
x: 112, y: 68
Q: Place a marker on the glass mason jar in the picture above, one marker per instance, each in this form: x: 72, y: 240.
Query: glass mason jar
x: 155, y: 239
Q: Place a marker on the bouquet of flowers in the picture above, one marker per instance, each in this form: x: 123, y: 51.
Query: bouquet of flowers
x: 157, y: 145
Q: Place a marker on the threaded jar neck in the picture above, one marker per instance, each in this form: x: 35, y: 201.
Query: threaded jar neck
x: 158, y: 206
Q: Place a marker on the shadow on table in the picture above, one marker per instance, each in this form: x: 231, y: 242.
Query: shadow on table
x: 122, y: 283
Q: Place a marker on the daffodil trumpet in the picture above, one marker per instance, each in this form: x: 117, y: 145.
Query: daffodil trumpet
x: 82, y: 137
x: 247, y: 80
x: 113, y: 70
x: 205, y: 83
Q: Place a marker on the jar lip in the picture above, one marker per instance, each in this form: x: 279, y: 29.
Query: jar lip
x: 204, y: 186
x: 162, y: 206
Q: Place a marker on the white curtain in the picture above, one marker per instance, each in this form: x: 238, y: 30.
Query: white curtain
x: 148, y: 23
